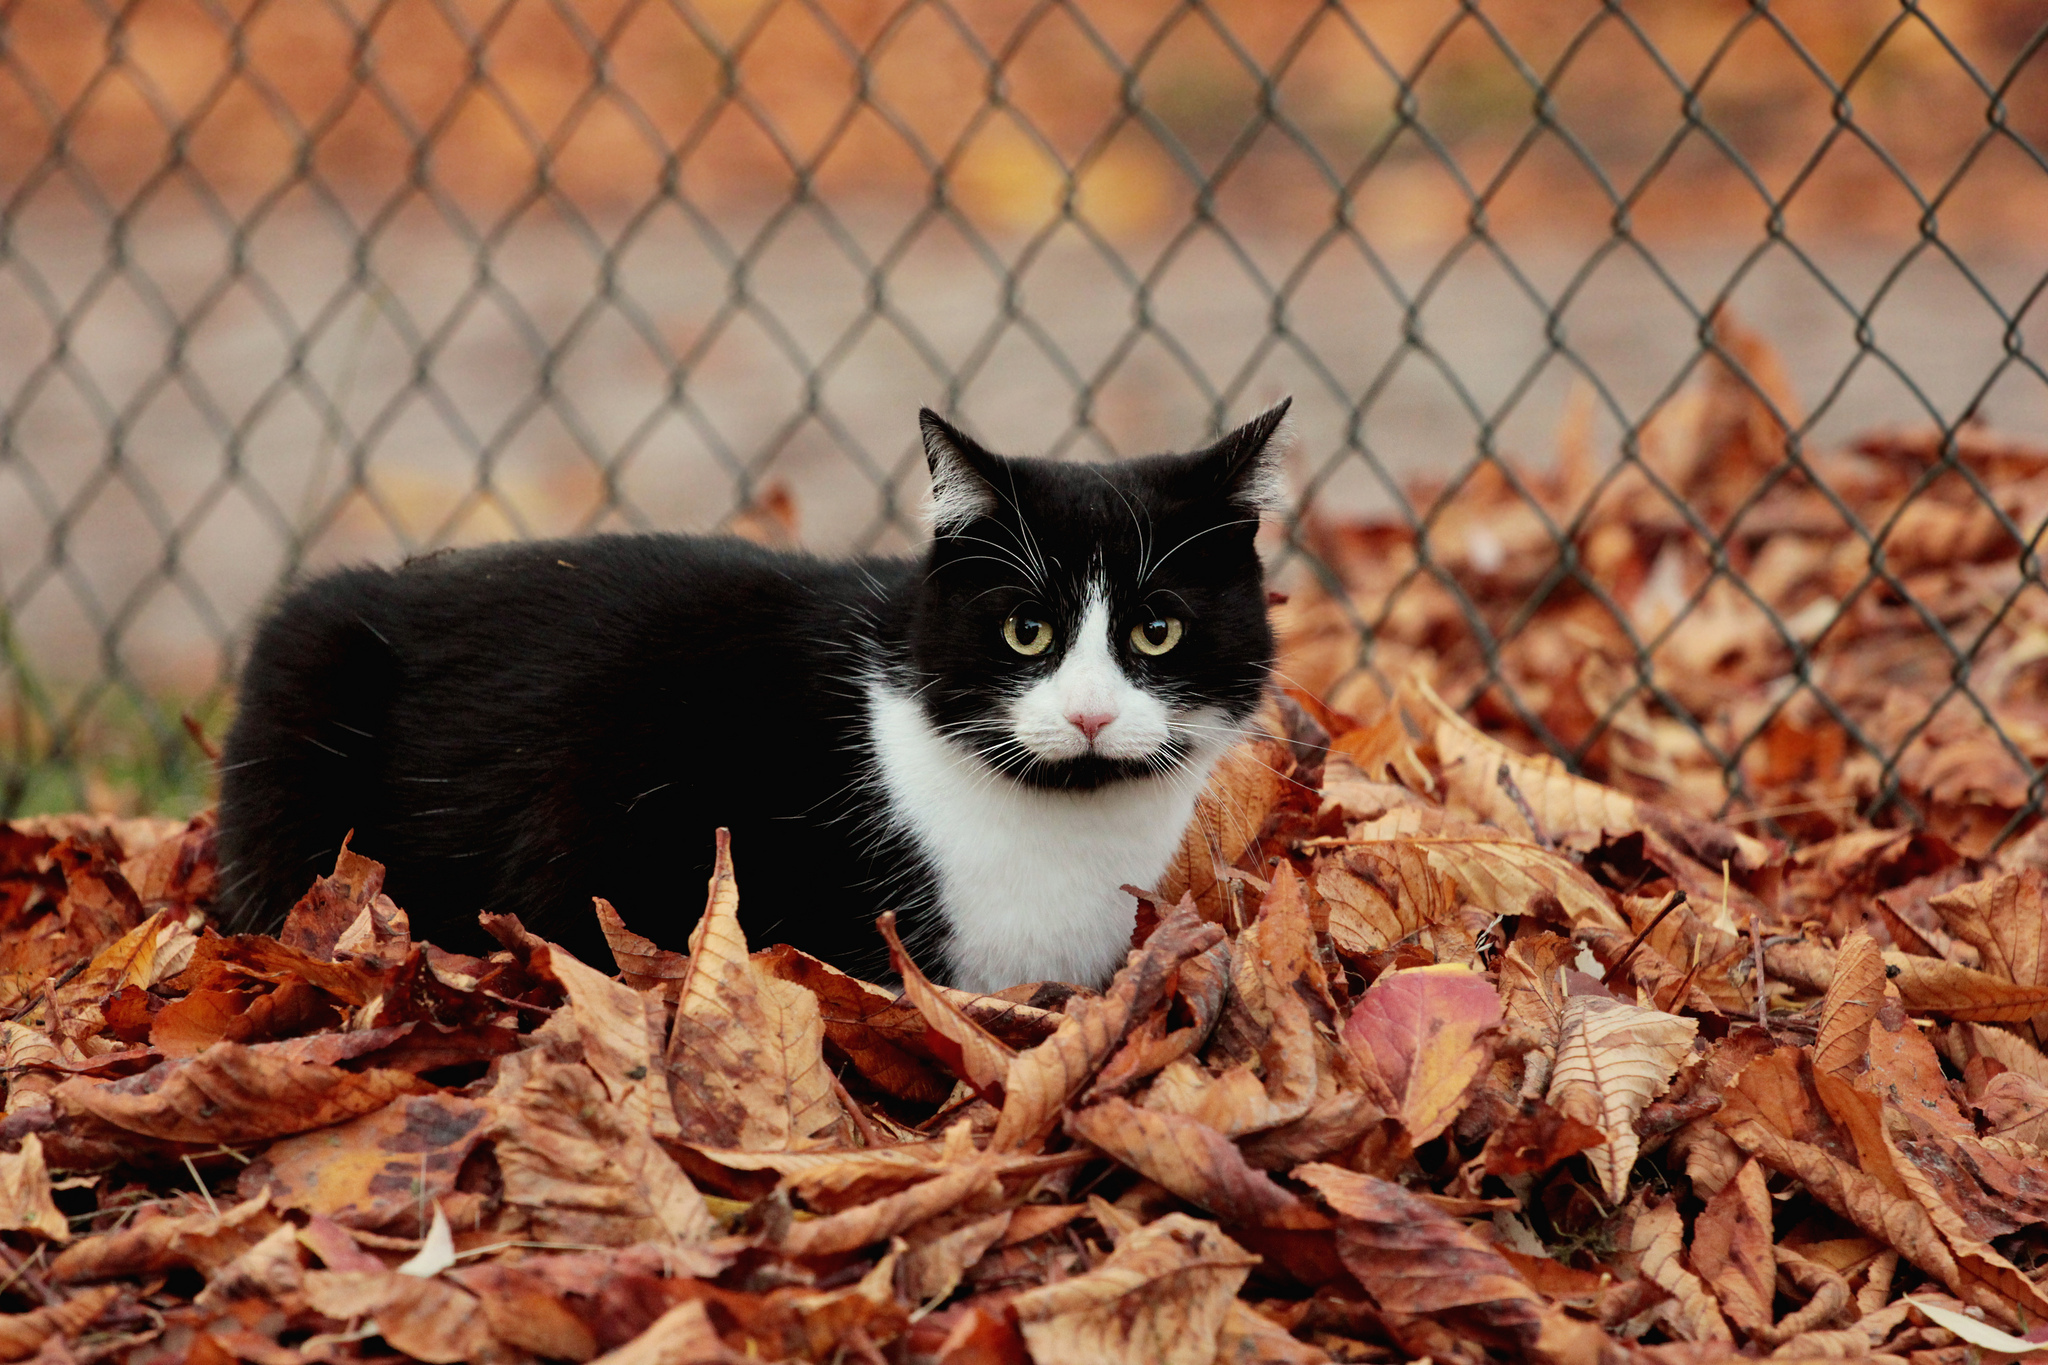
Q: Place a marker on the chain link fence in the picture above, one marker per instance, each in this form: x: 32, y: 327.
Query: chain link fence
x: 287, y: 283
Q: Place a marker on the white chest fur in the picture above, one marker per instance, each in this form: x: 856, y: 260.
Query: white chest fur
x: 1028, y: 879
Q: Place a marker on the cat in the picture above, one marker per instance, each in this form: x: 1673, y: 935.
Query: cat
x: 991, y: 738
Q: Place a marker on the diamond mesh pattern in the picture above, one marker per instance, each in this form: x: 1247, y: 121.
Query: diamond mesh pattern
x: 285, y: 283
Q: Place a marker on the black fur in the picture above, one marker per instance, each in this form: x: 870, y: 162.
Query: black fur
x: 522, y: 727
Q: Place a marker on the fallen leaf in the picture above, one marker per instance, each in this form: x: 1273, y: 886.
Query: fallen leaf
x: 1731, y: 1249
x: 976, y: 1055
x: 574, y: 1168
x: 681, y: 1336
x: 643, y: 964
x: 1972, y: 1330
x: 22, y: 1334
x: 1380, y: 895
x: 378, y: 1172
x: 1421, y: 1035
x: 1537, y: 1139
x: 1243, y: 788
x: 1160, y: 1298
x: 428, y: 1319
x: 1194, y: 1161
x: 1039, y: 1082
x: 745, y: 1058
x: 436, y: 1253
x: 1958, y: 992
x: 1417, y: 1261
x: 1854, y: 994
x: 235, y: 1094
x: 204, y: 1240
x: 25, y: 1202
x: 1657, y: 1239
x: 1612, y: 1060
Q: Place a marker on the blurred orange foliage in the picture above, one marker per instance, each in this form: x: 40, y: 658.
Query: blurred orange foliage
x: 1019, y: 110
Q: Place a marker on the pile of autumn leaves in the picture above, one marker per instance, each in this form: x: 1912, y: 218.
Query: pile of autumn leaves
x: 1428, y: 1049
x: 1722, y: 598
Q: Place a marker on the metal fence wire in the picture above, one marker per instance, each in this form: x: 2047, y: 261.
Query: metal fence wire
x: 286, y: 283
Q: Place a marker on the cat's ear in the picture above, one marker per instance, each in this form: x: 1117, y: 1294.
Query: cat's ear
x: 1246, y: 464
x: 961, y: 474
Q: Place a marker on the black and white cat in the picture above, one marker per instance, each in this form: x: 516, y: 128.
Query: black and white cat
x: 991, y: 738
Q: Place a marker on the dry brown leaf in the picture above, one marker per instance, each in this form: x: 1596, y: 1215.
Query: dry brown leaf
x: 158, y: 947
x: 681, y: 1336
x: 1711, y: 1158
x: 1958, y: 992
x: 25, y: 1202
x: 619, y: 1029
x: 1612, y: 1060
x: 1243, y: 788
x: 1854, y: 993
x: 1421, y: 1035
x: 1536, y: 1139
x: 885, y: 1217
x: 643, y: 964
x: 1160, y: 1298
x: 1731, y: 1249
x: 976, y: 1055
x: 376, y: 1172
x: 1986, y: 1278
x: 1193, y: 1160
x: 1563, y: 803
x: 22, y: 1334
x: 203, y: 1240
x: 234, y: 1094
x: 933, y: 1269
x: 575, y: 1170
x: 1250, y: 1338
x: 2017, y: 1107
x: 524, y: 1310
x: 1380, y: 895
x: 1417, y: 1261
x: 745, y: 1059
x: 1041, y: 1081
x: 1657, y: 1240
x: 428, y: 1319
x: 2006, y: 920
x: 1900, y: 1222
x: 1533, y: 1000
x: 1501, y: 877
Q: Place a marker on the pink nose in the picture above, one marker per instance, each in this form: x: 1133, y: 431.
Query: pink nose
x: 1091, y: 723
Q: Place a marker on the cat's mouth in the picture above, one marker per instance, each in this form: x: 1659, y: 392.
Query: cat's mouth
x: 1088, y: 771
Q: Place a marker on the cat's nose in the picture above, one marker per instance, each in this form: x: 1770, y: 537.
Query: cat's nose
x: 1091, y: 723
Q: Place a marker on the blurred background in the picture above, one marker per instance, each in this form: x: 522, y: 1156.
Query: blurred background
x: 291, y: 283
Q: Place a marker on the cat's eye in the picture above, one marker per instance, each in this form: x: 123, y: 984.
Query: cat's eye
x: 1157, y: 635
x: 1027, y: 634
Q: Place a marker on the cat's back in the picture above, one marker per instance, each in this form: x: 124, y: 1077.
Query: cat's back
x: 552, y: 702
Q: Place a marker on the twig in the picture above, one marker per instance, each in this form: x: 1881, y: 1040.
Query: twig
x: 1756, y: 944
x: 198, y: 733
x: 1671, y: 902
x: 208, y: 1194
x: 18, y: 1268
x: 1506, y: 780
x: 870, y: 1136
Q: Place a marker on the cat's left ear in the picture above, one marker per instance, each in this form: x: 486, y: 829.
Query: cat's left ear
x: 1246, y: 463
x: 961, y: 474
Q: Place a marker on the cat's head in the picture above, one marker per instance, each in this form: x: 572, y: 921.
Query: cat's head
x: 1080, y: 624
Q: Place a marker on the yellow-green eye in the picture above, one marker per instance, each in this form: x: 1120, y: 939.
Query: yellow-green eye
x: 1027, y: 634
x: 1156, y: 636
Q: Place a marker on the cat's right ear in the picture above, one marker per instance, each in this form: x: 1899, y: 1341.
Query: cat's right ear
x: 961, y: 474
